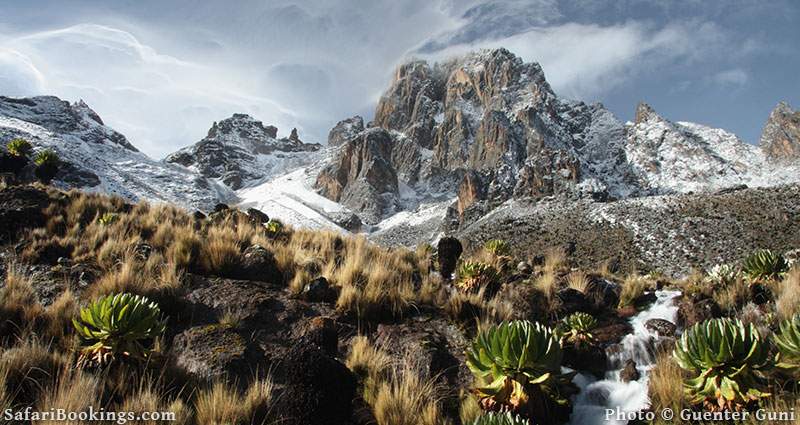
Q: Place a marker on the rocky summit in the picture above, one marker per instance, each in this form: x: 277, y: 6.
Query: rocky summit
x: 487, y: 128
x: 241, y: 150
x: 780, y: 139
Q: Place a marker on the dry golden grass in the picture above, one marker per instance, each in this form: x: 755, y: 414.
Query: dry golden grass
x: 58, y: 317
x: 29, y: 368
x: 468, y: 408
x: 406, y: 399
x: 666, y: 384
x: 547, y: 283
x: 20, y: 310
x: 787, y: 299
x: 220, y: 254
x: 731, y: 296
x: 554, y: 259
x: 74, y: 392
x: 578, y: 281
x: 370, y: 364
x: 224, y: 405
x: 633, y: 287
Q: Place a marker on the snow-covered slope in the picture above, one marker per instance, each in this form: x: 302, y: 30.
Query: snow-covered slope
x: 291, y: 199
x: 97, y: 158
x: 241, y: 151
x: 686, y: 157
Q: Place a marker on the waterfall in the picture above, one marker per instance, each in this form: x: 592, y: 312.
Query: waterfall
x: 589, y: 406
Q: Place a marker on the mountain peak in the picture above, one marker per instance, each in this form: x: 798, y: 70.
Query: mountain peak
x: 780, y: 139
x: 241, y: 149
x: 644, y: 113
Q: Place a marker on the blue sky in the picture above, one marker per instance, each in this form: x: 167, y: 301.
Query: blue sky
x: 161, y: 72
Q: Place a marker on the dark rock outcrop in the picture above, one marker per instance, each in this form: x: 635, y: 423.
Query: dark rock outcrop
x: 216, y: 352
x: 448, y: 252
x: 319, y: 389
x: 21, y: 208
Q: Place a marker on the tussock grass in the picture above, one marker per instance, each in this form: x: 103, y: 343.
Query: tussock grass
x: 554, y: 259
x: 666, y: 384
x: 578, y: 281
x: 406, y: 399
x: 222, y: 404
x: 547, y: 283
x: 633, y: 287
x: 787, y: 299
x: 370, y: 364
x: 20, y: 310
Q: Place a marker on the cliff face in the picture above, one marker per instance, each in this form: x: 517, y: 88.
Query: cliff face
x: 780, y: 139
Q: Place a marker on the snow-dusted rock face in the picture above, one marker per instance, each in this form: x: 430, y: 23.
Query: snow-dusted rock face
x: 97, y: 158
x: 487, y: 127
x: 780, y: 139
x: 241, y: 151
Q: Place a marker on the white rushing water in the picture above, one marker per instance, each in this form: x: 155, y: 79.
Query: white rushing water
x: 589, y: 406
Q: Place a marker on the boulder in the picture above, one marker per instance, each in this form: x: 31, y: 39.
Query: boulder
x: 602, y: 294
x: 321, y: 332
x: 661, y: 327
x: 319, y: 389
x: 432, y: 347
x: 572, y: 301
x: 524, y: 268
x: 586, y: 357
x: 216, y: 352
x: 629, y: 372
x: 448, y: 251
x: 347, y: 221
x: 258, y: 264
x: 319, y: 290
x: 257, y: 216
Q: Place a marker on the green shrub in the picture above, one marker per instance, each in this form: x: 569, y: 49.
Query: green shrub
x: 472, y: 275
x: 46, y: 157
x: 765, y: 264
x: 47, y: 163
x: 725, y: 358
x: 515, y: 361
x: 578, y: 326
x: 274, y: 227
x: 19, y: 147
x: 121, y: 325
x: 493, y: 418
x: 107, y: 218
x: 498, y: 247
x: 788, y: 343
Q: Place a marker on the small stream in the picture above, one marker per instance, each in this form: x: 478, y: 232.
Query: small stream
x: 589, y: 406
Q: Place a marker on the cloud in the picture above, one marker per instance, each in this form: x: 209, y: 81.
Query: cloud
x: 587, y: 60
x: 18, y: 76
x: 731, y: 77
x: 161, y: 72
x: 157, y: 100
